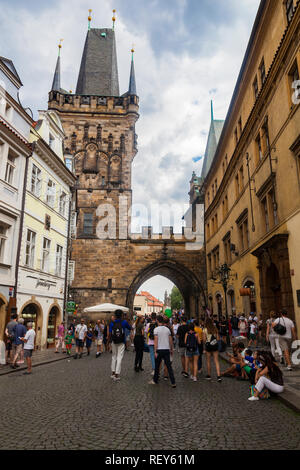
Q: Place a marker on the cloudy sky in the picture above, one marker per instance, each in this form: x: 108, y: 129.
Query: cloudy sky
x: 187, y: 53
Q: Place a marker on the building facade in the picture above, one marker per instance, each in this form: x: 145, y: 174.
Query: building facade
x: 41, y: 293
x: 15, y: 152
x: 252, y: 186
x: 145, y: 304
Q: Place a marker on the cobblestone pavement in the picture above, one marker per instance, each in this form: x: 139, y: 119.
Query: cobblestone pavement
x: 74, y: 404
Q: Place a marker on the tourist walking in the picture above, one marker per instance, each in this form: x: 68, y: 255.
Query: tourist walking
x: 60, y: 338
x: 89, y: 339
x: 28, y: 340
x: 181, y: 332
x: 199, y: 332
x: 80, y: 336
x: 243, y: 327
x: 10, y: 335
x: 211, y: 338
x: 20, y: 332
x: 163, y: 347
x: 117, y: 338
x: 68, y: 341
x: 272, y: 337
x: 99, y: 337
x: 234, y: 321
x: 149, y: 330
x: 139, y: 341
x: 192, y: 341
x: 285, y: 329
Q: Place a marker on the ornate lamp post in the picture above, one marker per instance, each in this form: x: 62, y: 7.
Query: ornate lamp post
x: 221, y: 276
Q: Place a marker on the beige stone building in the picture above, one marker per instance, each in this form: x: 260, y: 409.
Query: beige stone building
x: 252, y: 184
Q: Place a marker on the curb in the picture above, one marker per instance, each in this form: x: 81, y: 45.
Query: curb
x: 288, y: 397
x: 49, y: 361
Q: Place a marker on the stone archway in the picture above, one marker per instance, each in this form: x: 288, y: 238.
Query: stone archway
x: 54, y: 317
x: 32, y: 311
x: 191, y: 289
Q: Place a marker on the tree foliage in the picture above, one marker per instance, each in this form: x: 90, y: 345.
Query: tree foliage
x: 176, y: 299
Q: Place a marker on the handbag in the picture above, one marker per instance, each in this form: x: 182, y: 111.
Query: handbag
x: 279, y: 328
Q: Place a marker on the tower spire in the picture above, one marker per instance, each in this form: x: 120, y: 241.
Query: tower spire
x: 56, y: 79
x: 212, y: 110
x: 132, y: 82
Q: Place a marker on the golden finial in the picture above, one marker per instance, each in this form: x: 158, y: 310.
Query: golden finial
x: 60, y: 46
x: 90, y: 18
x: 114, y: 18
x: 70, y: 92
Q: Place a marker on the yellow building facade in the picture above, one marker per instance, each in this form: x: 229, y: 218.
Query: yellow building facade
x: 252, y: 188
x: 44, y: 250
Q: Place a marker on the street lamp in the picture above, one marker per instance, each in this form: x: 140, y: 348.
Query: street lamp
x: 222, y: 276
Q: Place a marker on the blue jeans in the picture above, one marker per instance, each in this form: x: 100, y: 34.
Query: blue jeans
x: 152, y: 356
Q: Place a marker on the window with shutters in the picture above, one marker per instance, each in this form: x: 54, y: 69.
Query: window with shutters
x: 30, y: 248
x: 46, y: 255
x: 36, y: 181
x: 59, y: 258
x: 50, y: 195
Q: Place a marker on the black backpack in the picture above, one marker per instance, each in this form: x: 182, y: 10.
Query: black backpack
x: 117, y: 333
x: 151, y: 330
x: 191, y: 342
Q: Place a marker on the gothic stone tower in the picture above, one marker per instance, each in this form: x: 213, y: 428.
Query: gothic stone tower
x: 100, y: 135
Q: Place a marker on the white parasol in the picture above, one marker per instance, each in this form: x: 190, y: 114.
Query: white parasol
x: 105, y: 308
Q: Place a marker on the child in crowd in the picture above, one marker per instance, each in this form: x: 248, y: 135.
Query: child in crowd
x: 89, y: 339
x: 68, y: 341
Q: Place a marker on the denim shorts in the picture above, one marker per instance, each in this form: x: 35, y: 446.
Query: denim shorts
x: 191, y: 353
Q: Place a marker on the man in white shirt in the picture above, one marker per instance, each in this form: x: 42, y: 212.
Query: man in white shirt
x: 28, y: 339
x: 80, y: 335
x: 163, y: 346
x: 285, y: 340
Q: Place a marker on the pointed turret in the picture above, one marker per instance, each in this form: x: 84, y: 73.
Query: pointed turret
x: 56, y: 86
x: 216, y: 127
x: 132, y: 82
x: 98, y: 73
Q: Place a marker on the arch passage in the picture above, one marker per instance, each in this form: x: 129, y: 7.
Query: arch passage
x: 186, y: 281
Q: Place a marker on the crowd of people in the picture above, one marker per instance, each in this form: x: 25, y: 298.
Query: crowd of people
x: 162, y: 337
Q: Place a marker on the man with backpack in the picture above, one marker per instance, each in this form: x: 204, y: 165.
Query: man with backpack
x: 117, y: 337
x: 285, y: 329
x: 181, y: 332
x: 192, y: 342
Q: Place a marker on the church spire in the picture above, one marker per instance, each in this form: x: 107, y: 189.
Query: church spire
x: 212, y: 110
x: 56, y: 79
x: 132, y: 83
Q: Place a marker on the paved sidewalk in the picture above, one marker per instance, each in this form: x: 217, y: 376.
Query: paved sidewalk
x: 291, y: 394
x: 39, y: 358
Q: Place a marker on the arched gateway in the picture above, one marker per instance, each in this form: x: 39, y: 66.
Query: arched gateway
x: 99, y: 123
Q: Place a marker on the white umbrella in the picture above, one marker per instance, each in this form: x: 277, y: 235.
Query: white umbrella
x: 105, y: 308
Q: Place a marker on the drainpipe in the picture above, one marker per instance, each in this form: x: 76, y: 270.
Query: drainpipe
x: 22, y: 222
x: 66, y: 290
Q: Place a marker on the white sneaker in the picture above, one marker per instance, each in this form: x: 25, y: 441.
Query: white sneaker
x: 152, y: 373
x: 289, y: 368
x: 112, y: 376
x: 195, y: 379
x: 116, y: 379
x: 253, y: 398
x: 191, y: 377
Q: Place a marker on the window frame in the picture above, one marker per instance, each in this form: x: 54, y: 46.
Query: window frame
x: 31, y: 244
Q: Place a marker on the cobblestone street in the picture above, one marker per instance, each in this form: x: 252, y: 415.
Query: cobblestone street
x: 75, y: 405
